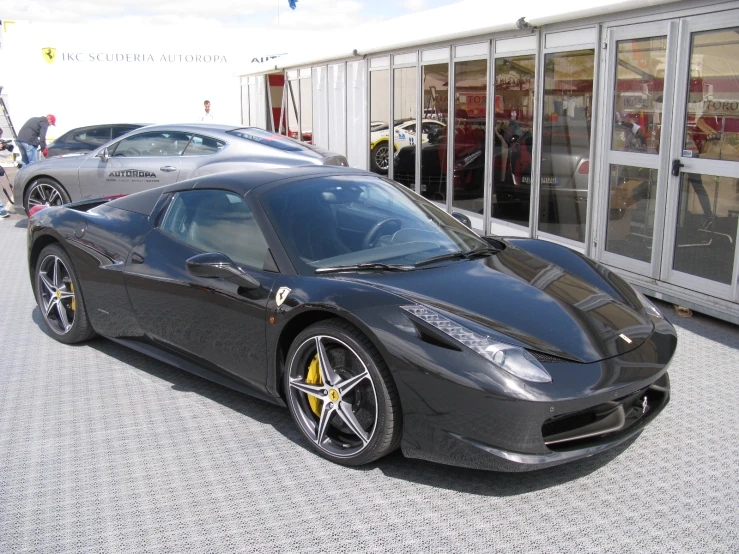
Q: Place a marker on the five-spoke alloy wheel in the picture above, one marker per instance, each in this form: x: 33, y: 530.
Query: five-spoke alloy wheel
x: 341, y: 395
x: 59, y: 297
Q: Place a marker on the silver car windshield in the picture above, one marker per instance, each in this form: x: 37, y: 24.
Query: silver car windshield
x: 363, y: 223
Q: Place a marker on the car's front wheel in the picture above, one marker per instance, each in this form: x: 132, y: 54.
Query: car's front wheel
x: 380, y: 158
x: 45, y: 192
x: 59, y: 296
x: 341, y: 395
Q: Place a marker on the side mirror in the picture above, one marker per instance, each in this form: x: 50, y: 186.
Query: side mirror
x: 103, y: 155
x: 214, y: 265
x: 463, y: 219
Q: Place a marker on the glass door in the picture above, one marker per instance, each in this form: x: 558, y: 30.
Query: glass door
x: 702, y: 210
x: 637, y: 106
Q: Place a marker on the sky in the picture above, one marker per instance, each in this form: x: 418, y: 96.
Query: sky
x: 310, y: 14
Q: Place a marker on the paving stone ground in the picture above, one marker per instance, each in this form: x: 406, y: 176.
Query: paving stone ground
x: 105, y: 450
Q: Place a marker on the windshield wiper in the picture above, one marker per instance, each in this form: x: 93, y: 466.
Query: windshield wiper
x: 372, y: 266
x: 482, y: 251
x: 477, y: 252
x: 441, y: 258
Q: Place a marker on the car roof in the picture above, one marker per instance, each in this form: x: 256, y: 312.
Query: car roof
x: 103, y: 125
x: 239, y: 181
x: 194, y: 127
x: 242, y: 181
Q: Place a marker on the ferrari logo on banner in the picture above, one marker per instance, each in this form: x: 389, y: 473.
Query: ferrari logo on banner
x: 49, y: 54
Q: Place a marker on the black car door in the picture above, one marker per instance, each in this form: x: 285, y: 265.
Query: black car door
x: 218, y: 322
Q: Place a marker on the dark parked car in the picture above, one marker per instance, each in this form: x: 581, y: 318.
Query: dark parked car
x: 84, y: 139
x: 564, y: 165
x: 378, y: 319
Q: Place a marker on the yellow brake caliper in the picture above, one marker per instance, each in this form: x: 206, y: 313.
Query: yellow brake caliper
x: 71, y: 288
x: 314, y: 378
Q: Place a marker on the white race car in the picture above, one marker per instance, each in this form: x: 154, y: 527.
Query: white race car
x: 405, y: 135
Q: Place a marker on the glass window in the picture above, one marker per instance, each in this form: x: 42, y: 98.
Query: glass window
x: 631, y: 211
x: 245, y: 105
x: 216, y: 221
x: 345, y: 220
x: 708, y: 212
x: 291, y: 109
x: 404, y: 107
x: 433, y: 149
x: 155, y: 144
x: 565, y: 145
x: 200, y: 146
x: 306, y: 111
x: 637, y: 109
x: 119, y: 130
x: 712, y: 119
x: 95, y: 137
x: 379, y: 160
x: 470, y: 97
x: 513, y: 138
x: 276, y: 90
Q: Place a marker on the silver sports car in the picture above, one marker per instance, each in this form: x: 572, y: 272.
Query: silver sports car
x: 159, y: 155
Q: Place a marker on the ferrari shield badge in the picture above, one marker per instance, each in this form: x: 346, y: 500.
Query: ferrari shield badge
x: 282, y: 295
x: 49, y: 54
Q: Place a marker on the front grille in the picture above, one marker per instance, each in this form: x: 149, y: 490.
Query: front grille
x: 567, y: 423
x: 606, y: 421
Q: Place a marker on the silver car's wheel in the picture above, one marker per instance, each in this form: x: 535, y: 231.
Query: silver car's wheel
x: 45, y: 192
x: 59, y: 297
x: 340, y: 394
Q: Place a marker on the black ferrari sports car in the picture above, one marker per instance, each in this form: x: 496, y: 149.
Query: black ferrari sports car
x: 378, y: 319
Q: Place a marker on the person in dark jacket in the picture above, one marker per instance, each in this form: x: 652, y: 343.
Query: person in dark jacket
x: 32, y: 135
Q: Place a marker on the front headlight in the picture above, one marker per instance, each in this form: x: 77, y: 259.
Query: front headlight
x: 508, y: 357
x: 467, y: 160
x: 651, y: 308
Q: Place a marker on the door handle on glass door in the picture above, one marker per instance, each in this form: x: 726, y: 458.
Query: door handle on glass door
x: 676, y: 165
x: 168, y: 168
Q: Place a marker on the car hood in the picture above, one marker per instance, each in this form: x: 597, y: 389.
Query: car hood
x: 538, y: 304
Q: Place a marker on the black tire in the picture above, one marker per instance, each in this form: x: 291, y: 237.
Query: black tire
x: 327, y: 414
x: 45, y: 191
x: 59, y: 296
x: 380, y: 158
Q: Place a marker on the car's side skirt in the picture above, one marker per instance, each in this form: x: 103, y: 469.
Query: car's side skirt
x: 180, y: 363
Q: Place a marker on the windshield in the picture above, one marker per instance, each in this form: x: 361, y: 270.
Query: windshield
x: 347, y: 220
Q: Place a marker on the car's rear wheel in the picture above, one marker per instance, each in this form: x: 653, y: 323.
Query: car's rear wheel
x: 341, y: 395
x: 45, y: 192
x: 59, y: 296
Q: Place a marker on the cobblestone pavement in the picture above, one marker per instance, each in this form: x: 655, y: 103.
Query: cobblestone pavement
x: 105, y: 450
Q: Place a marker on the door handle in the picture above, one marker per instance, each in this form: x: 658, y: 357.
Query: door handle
x: 137, y: 258
x: 168, y: 168
x: 676, y: 165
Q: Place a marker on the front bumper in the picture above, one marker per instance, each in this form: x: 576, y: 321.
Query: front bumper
x: 458, y: 410
x: 591, y: 431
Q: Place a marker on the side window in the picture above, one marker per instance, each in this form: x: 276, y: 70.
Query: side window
x: 94, y: 137
x: 429, y: 127
x: 216, y: 221
x: 154, y: 144
x: 409, y: 128
x: 200, y: 146
x: 122, y: 130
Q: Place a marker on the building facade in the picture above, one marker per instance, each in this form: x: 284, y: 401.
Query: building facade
x: 615, y: 132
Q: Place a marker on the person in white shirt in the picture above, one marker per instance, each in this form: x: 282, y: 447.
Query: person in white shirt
x: 207, y: 116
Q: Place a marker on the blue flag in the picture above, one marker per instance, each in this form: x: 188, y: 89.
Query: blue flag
x: 292, y: 3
